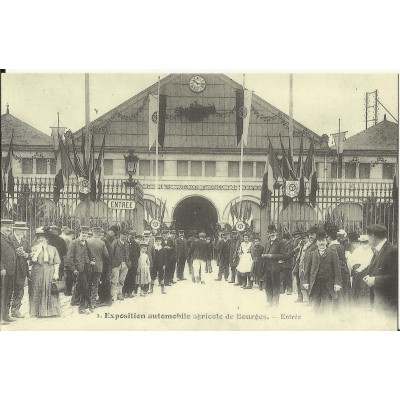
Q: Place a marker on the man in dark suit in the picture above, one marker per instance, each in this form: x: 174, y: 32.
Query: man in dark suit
x: 382, y: 275
x: 170, y: 248
x: 181, y: 255
x: 22, y: 250
x: 233, y: 256
x: 129, y: 289
x: 8, y: 270
x: 286, y: 273
x: 199, y: 252
x: 322, y: 276
x: 274, y: 257
x: 222, y: 251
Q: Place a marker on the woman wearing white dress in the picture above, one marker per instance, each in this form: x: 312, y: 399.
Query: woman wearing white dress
x: 245, y: 261
x: 143, y: 277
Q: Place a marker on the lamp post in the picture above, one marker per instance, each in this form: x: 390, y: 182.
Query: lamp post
x: 131, y: 162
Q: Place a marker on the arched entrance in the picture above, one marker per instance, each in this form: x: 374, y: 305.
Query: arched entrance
x: 196, y: 213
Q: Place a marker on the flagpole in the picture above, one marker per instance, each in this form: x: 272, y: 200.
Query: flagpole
x: 158, y: 125
x: 87, y: 118
x: 291, y: 115
x: 241, y: 157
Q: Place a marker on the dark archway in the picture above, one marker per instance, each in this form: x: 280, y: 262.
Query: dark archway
x: 196, y: 214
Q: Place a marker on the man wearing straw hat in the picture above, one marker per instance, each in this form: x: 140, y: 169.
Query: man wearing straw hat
x: 22, y: 251
x: 8, y: 269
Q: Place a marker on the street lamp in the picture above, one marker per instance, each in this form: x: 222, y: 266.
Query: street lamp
x: 131, y: 162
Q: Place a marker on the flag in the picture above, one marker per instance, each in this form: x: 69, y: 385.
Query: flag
x: 77, y: 163
x: 92, y: 172
x: 157, y: 117
x: 339, y: 138
x: 270, y: 177
x: 58, y: 186
x: 243, y: 108
x: 83, y: 152
x: 287, y: 167
x: 99, y: 170
x: 300, y: 175
x: 310, y: 172
x: 8, y: 174
x: 395, y: 194
x: 289, y: 178
x: 232, y: 214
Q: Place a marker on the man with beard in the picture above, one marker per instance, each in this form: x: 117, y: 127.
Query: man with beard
x: 322, y: 277
x: 233, y: 256
x: 274, y: 257
x: 181, y: 255
x: 222, y: 251
x: 299, y: 268
x: 22, y: 251
x: 100, y: 254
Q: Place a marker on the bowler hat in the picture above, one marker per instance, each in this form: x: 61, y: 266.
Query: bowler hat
x: 321, y: 235
x: 271, y: 228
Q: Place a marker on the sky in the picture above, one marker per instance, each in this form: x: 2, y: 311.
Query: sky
x: 319, y: 100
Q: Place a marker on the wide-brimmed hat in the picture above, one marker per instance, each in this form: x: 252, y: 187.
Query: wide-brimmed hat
x: 20, y: 225
x: 363, y: 238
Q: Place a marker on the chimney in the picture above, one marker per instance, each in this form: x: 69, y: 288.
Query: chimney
x: 8, y: 108
x: 384, y: 117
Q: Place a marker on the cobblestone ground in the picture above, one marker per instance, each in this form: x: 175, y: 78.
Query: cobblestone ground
x: 212, y: 306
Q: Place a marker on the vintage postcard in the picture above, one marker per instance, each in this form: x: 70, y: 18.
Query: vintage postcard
x: 199, y: 201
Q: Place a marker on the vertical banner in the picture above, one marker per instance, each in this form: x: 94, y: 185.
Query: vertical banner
x: 153, y: 119
x: 243, y: 109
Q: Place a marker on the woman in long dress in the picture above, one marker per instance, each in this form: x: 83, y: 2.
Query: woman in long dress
x: 245, y: 261
x: 46, y: 261
x: 143, y: 277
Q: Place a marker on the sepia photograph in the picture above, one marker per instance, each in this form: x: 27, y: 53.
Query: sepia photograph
x: 199, y: 201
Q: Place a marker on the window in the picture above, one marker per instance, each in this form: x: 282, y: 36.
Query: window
x: 210, y: 168
x: 182, y: 168
x: 364, y: 171
x: 27, y: 166
x: 388, y: 171
x: 144, y: 167
x: 334, y: 171
x: 41, y: 166
x: 247, y: 169
x: 196, y: 168
x: 108, y: 167
x: 350, y: 169
x: 53, y: 166
x: 260, y: 169
x: 233, y: 169
x: 160, y: 168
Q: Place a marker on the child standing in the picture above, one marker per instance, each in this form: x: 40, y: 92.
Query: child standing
x: 143, y: 273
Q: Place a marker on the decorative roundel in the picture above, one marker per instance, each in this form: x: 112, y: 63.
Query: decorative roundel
x: 243, y: 112
x: 85, y: 183
x: 292, y: 187
x: 155, y: 224
x: 240, y: 226
x: 154, y: 117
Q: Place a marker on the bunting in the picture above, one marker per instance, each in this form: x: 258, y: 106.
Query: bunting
x: 8, y: 177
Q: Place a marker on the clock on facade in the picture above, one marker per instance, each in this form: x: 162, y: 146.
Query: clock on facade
x: 197, y: 84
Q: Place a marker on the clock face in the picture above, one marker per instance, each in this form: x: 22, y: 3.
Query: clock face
x: 197, y: 84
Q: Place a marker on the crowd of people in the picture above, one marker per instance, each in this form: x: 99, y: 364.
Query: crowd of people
x: 326, y: 267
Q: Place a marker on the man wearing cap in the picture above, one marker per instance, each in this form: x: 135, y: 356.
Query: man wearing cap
x: 169, y: 246
x: 120, y: 261
x: 382, y: 273
x: 98, y: 251
x: 222, y: 251
x: 105, y: 280
x: 181, y: 255
x: 306, y: 248
x: 199, y: 253
x: 322, y: 276
x: 112, y: 233
x: 159, y: 262
x: 80, y: 261
x: 134, y: 254
x: 8, y: 270
x: 22, y: 250
x: 274, y: 258
x: 234, y: 243
x: 333, y: 243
